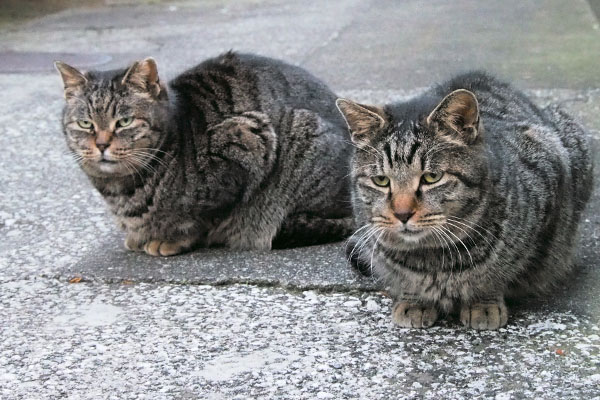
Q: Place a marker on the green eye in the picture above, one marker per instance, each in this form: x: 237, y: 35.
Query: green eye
x: 123, y: 122
x: 432, y: 177
x: 84, y: 123
x: 381, y: 180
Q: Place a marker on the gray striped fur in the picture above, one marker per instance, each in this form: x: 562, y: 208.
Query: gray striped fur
x: 503, y: 220
x: 241, y: 151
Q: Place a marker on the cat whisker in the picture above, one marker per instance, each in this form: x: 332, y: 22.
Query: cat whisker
x: 472, y: 226
x: 437, y: 238
x: 383, y: 231
x: 151, y: 157
x: 432, y: 219
x: 447, y: 240
x: 365, y: 238
x: 461, y: 242
x: 356, y: 232
x: 130, y: 167
x: 462, y: 230
x: 369, y: 227
x: 143, y: 163
x: 489, y: 243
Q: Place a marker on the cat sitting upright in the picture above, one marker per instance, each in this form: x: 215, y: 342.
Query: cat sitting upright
x: 465, y: 195
x: 241, y: 150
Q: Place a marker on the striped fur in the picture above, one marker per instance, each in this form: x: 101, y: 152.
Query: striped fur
x: 501, y: 222
x: 239, y: 151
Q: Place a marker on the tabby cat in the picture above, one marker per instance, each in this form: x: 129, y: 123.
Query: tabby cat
x: 241, y: 151
x: 465, y: 195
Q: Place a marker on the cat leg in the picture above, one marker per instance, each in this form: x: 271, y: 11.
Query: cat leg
x: 249, y: 140
x: 409, y: 312
x: 485, y: 315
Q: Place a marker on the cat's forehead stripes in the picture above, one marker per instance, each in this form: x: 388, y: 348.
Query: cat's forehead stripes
x: 402, y: 147
x: 101, y: 100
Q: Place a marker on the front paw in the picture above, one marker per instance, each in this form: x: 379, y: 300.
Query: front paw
x: 159, y: 248
x: 133, y: 244
x: 163, y: 248
x: 413, y: 315
x: 484, y: 316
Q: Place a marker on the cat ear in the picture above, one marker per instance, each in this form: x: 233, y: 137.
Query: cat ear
x: 459, y: 114
x: 72, y: 78
x: 362, y: 120
x: 144, y: 75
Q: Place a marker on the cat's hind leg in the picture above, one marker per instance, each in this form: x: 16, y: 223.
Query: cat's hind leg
x: 278, y: 166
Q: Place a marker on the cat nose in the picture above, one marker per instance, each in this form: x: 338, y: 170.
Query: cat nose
x: 404, y: 217
x: 101, y: 146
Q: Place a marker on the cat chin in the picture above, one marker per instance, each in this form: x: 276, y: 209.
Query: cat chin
x: 106, y: 170
x: 412, y: 237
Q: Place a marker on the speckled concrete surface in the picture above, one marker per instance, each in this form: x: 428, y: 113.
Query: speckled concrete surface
x: 172, y: 341
x: 305, y: 326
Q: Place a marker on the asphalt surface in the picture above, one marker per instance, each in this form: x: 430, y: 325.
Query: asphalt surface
x: 284, y: 324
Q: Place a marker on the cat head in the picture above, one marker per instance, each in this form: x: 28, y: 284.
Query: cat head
x: 113, y: 121
x: 417, y: 165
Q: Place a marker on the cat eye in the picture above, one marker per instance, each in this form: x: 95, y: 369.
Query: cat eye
x: 432, y: 177
x: 123, y: 122
x: 381, y: 180
x: 84, y: 123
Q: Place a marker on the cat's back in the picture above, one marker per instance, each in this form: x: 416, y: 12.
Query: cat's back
x: 499, y: 102
x: 237, y: 82
x: 544, y: 149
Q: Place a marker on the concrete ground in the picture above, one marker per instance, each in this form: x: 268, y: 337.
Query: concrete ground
x: 286, y: 324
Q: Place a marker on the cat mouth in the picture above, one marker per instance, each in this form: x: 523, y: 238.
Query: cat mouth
x: 411, y: 235
x: 407, y: 231
x: 108, y: 166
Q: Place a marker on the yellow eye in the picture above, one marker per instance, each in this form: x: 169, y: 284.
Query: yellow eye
x: 84, y: 123
x: 123, y: 122
x: 432, y: 177
x: 381, y: 180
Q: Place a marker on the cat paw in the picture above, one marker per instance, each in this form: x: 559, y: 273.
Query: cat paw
x: 484, y: 316
x: 159, y: 248
x: 411, y: 315
x: 132, y: 244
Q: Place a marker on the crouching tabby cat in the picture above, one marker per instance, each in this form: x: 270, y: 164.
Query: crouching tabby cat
x: 465, y: 195
x: 241, y: 151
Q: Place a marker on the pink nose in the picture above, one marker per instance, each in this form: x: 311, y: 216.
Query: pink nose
x: 403, y: 207
x: 101, y: 146
x: 404, y: 217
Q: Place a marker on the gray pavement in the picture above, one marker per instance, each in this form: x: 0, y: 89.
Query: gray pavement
x: 284, y: 324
